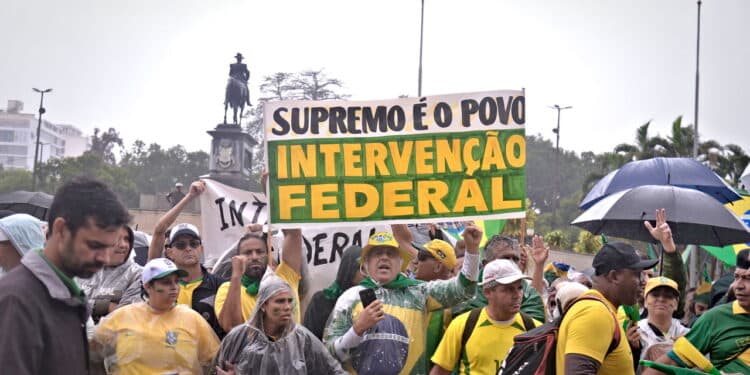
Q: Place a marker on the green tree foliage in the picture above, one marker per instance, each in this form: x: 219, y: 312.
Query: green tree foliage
x: 14, y: 179
x: 557, y: 240
x: 587, y: 243
x: 102, y: 144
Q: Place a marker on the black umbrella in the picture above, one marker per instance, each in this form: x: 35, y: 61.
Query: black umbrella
x: 693, y: 216
x: 33, y: 203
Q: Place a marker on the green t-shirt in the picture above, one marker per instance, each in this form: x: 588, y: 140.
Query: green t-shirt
x: 722, y: 332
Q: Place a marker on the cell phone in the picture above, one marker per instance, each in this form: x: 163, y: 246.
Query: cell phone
x: 367, y: 296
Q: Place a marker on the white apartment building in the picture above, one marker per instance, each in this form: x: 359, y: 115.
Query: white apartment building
x: 18, y: 139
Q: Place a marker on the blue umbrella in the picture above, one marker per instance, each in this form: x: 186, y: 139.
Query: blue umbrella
x: 681, y: 172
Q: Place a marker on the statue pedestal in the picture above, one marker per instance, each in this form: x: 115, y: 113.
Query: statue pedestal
x: 231, y: 157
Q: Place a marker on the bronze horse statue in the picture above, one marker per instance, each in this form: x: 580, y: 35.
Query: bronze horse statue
x: 237, y: 94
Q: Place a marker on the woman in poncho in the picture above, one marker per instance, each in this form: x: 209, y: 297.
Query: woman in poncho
x: 271, y: 343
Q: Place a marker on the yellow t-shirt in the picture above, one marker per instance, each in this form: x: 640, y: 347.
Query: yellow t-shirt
x: 137, y: 341
x: 485, y: 350
x: 587, y: 329
x: 186, y: 292
x: 248, y: 302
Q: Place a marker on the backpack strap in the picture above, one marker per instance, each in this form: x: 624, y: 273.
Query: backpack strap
x: 616, y: 335
x: 471, y: 323
x: 528, y: 322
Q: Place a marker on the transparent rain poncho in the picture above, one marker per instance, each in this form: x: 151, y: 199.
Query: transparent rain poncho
x: 296, y: 351
x: 23, y: 231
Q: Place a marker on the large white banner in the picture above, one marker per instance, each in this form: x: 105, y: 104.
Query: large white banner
x: 225, y: 214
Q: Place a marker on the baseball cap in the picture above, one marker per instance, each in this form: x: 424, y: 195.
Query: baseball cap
x: 179, y: 184
x: 440, y: 250
x: 386, y: 239
x: 617, y: 256
x: 184, y: 228
x: 502, y: 271
x: 659, y: 281
x: 158, y: 268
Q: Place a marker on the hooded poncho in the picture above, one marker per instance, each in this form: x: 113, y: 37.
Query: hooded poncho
x: 296, y: 351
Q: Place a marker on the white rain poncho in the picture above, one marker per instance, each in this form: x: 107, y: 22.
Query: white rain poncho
x: 120, y: 285
x: 23, y: 231
x: 296, y: 351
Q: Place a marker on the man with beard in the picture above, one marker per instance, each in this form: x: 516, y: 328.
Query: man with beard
x: 42, y: 310
x: 236, y: 299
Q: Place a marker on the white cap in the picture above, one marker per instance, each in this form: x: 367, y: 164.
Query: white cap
x: 158, y: 268
x: 179, y: 184
x: 183, y: 228
x: 502, y: 271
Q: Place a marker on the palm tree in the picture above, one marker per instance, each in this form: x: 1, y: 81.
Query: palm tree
x: 645, y: 147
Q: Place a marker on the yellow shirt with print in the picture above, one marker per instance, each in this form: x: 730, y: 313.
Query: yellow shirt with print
x: 179, y: 341
x: 283, y: 271
x: 186, y: 292
x: 485, y: 350
x: 587, y: 329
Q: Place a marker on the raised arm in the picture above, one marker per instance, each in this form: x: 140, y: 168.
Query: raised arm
x: 291, y: 253
x: 156, y: 247
x: 539, y: 254
x: 404, y: 238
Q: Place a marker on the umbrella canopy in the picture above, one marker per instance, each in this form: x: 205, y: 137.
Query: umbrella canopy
x: 693, y: 216
x: 682, y: 172
x: 33, y: 203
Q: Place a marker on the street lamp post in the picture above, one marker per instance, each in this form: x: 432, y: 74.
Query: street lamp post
x: 421, y: 37
x: 697, y: 66
x: 38, y: 130
x: 556, y: 130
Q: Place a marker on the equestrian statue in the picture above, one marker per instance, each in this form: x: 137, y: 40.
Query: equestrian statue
x: 237, y: 94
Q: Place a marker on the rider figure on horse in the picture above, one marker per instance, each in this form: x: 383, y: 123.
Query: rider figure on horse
x: 239, y: 72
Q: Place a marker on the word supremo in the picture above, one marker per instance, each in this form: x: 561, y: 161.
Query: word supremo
x: 421, y: 157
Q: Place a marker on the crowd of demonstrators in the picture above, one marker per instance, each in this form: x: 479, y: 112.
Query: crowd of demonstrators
x: 157, y: 336
x: 477, y: 341
x: 271, y: 342
x: 388, y: 335
x: 396, y: 306
x: 42, y: 309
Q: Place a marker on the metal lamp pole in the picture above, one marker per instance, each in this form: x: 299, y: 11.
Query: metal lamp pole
x: 697, y: 66
x: 557, y: 162
x: 421, y: 38
x: 38, y: 130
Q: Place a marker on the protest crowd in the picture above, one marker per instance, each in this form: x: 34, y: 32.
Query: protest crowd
x: 424, y: 286
x: 74, y: 301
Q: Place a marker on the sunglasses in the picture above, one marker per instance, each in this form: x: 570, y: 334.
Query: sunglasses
x: 182, y: 245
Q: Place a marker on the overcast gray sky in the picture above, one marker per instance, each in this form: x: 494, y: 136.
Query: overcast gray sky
x: 156, y: 70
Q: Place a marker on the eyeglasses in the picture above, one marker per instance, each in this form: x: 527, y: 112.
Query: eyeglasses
x: 182, y: 245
